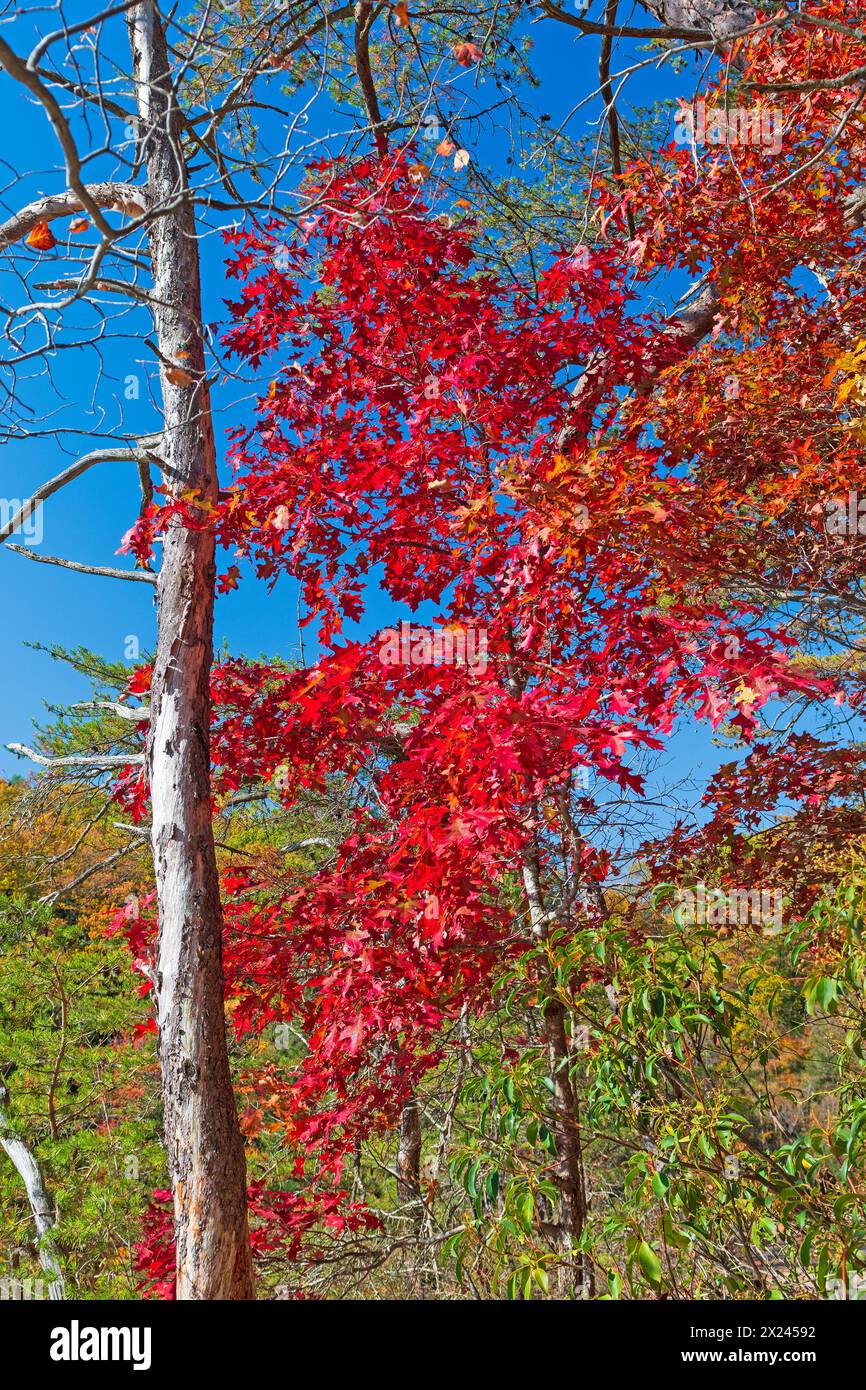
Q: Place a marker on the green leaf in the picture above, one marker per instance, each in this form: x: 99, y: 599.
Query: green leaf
x: 649, y: 1263
x: 525, y: 1210
x: 472, y: 1179
x: 660, y: 1184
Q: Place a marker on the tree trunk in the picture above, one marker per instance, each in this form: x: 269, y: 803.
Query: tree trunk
x: 409, y: 1154
x: 718, y: 17
x: 205, y: 1147
x: 577, y: 1272
x: 568, y: 1171
x: 409, y: 1188
x: 44, y: 1215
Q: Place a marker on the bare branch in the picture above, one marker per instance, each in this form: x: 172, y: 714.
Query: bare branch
x: 68, y: 475
x: 91, y: 870
x: 99, y: 760
x: 121, y: 197
x: 365, y: 13
x: 137, y: 576
x: 136, y: 715
x: 626, y: 31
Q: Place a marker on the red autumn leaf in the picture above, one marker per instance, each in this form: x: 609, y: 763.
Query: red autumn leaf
x: 467, y: 54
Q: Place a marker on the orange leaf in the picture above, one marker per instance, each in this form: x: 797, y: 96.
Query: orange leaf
x: 41, y: 238
x: 177, y: 376
x: 251, y: 1122
x: 79, y: 225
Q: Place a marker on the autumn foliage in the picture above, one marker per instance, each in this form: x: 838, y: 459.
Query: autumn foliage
x: 617, y: 522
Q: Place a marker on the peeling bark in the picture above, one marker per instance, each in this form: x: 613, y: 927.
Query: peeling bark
x: 205, y: 1147
x: 718, y: 17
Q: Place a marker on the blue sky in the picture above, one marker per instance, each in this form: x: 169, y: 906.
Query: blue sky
x: 87, y: 519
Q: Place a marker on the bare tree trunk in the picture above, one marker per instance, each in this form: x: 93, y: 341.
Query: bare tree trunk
x: 44, y: 1215
x: 205, y: 1147
x: 409, y: 1186
x: 409, y: 1154
x: 568, y: 1172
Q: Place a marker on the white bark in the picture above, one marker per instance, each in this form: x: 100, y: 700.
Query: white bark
x: 44, y: 1215
x: 205, y: 1147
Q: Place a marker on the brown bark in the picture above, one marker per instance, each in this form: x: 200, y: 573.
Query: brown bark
x: 717, y: 17
x: 576, y: 1274
x: 409, y: 1189
x: 205, y: 1147
x: 568, y: 1169
x: 365, y: 13
x: 409, y: 1154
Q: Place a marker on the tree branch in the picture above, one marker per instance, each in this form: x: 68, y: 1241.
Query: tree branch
x: 364, y: 16
x: 625, y: 31
x: 68, y: 475
x: 137, y: 715
x: 99, y: 760
x: 137, y: 576
x: 122, y: 197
